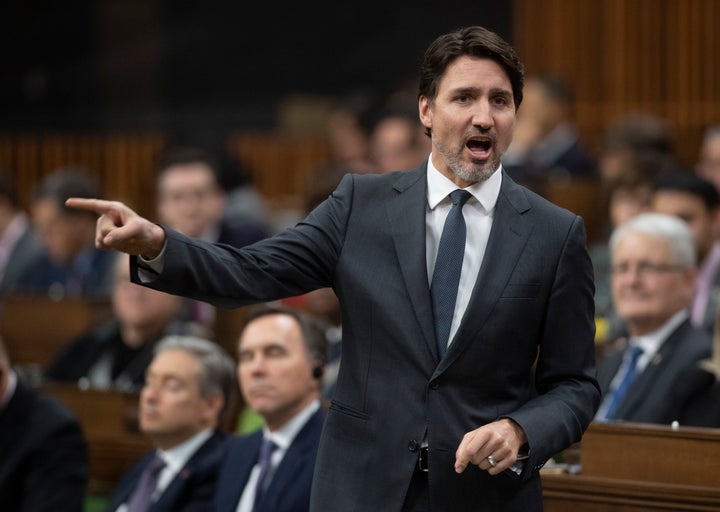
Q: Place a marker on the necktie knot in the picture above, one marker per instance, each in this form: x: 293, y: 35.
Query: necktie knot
x: 459, y: 197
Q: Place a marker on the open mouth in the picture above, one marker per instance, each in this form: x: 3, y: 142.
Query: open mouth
x: 480, y: 148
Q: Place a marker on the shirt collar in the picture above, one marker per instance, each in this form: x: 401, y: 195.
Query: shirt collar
x: 284, y: 436
x: 10, y: 390
x: 651, y: 342
x: 177, y: 457
x: 485, y: 192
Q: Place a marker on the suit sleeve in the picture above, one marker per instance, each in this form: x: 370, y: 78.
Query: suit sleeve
x: 565, y: 375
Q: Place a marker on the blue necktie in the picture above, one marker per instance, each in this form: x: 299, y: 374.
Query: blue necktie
x: 630, y: 374
x: 266, y: 451
x: 142, y: 496
x: 448, y: 265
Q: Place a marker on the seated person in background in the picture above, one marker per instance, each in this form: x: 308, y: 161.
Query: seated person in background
x: 116, y: 353
x: 653, y: 277
x: 19, y: 247
x: 546, y: 144
x: 189, y: 199
x: 708, y: 164
x: 43, y: 451
x: 70, y: 265
x: 188, y: 386
x: 697, y: 202
x: 281, y: 354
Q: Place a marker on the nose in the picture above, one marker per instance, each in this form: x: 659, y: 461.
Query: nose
x: 482, y: 115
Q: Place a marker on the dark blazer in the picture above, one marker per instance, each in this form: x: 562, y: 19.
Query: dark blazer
x: 704, y: 409
x: 79, y: 356
x: 25, y: 254
x: 289, y: 490
x: 190, y: 490
x: 532, y: 300
x: 662, y: 391
x: 43, y: 455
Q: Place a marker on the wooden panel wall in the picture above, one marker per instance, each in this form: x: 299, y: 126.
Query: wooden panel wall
x: 656, y: 56
x: 123, y: 162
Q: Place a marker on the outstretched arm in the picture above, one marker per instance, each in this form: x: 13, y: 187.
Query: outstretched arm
x: 121, y: 229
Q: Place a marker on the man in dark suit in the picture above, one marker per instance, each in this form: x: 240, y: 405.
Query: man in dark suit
x: 116, y: 353
x: 188, y: 386
x: 424, y: 420
x: 69, y: 265
x: 653, y: 278
x: 19, y: 247
x: 281, y: 354
x: 43, y: 451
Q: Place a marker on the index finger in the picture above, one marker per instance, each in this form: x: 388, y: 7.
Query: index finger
x: 100, y: 206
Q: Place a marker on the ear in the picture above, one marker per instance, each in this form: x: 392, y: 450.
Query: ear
x: 425, y: 111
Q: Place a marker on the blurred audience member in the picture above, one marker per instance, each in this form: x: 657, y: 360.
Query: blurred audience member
x: 190, y: 200
x: 697, y: 202
x: 708, y: 164
x: 632, y: 134
x: 398, y: 141
x: 19, y: 248
x: 653, y: 278
x: 349, y: 126
x: 546, y: 144
x: 188, y: 385
x: 116, y: 354
x: 281, y: 355
x: 70, y: 265
x: 628, y: 195
x: 43, y: 451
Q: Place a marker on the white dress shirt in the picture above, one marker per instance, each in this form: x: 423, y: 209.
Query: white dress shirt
x: 478, y: 212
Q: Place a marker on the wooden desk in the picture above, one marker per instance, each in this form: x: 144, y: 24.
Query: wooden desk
x: 110, y: 422
x: 640, y: 467
x: 34, y: 329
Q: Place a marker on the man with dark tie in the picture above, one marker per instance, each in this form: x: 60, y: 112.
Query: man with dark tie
x: 187, y: 388
x: 654, y: 269
x: 420, y: 419
x: 281, y: 355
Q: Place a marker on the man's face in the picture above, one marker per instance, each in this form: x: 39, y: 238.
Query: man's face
x: 189, y: 199
x: 63, y: 235
x: 692, y: 210
x: 471, y: 119
x: 708, y: 165
x: 647, y: 286
x: 171, y: 407
x: 275, y: 369
x: 138, y: 306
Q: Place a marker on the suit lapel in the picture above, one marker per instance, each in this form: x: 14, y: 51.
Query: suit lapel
x: 406, y: 214
x: 508, y: 236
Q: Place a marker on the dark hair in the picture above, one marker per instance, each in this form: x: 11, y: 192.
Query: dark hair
x: 475, y: 41
x: 188, y: 155
x: 691, y: 183
x: 67, y: 182
x: 312, y: 333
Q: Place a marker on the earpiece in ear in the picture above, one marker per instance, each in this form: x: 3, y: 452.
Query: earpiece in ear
x: 317, y: 372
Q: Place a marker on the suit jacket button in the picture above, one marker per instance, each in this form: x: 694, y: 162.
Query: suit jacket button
x: 413, y: 446
x: 434, y: 385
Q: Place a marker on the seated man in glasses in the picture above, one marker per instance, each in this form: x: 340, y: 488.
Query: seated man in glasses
x: 653, y: 277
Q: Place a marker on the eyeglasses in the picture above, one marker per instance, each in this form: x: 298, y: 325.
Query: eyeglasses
x: 646, y: 268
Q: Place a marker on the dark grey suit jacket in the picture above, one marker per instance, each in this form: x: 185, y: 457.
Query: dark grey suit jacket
x: 665, y: 387
x: 532, y: 301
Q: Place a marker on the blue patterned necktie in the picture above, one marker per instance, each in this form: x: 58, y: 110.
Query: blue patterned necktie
x: 630, y: 374
x: 448, y: 265
x: 266, y: 450
x: 142, y: 496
